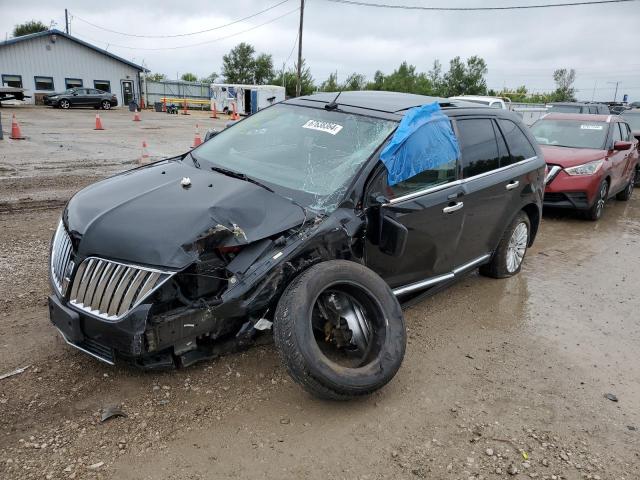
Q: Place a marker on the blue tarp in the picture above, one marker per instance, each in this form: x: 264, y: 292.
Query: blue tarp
x: 423, y: 141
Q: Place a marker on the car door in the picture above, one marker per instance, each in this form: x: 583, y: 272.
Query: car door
x: 94, y: 97
x: 618, y: 159
x: 80, y: 97
x: 429, y: 210
x: 485, y: 188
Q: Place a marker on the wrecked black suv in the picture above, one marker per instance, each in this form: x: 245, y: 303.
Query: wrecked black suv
x: 316, y: 217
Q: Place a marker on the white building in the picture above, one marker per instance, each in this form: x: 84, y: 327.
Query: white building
x: 52, y: 61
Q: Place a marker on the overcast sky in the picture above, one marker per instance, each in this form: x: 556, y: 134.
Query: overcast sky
x: 521, y: 47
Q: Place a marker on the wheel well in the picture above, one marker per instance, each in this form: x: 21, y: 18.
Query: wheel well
x: 533, y: 212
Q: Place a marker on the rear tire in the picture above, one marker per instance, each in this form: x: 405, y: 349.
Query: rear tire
x: 345, y: 362
x: 508, y: 258
x: 625, y: 195
x: 595, y: 212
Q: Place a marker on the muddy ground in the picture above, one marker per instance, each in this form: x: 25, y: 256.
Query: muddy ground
x: 502, y: 378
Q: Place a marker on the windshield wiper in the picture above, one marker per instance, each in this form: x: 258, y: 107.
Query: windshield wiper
x: 241, y: 176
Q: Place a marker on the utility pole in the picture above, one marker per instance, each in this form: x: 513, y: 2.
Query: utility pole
x: 283, y: 65
x: 615, y: 95
x: 299, y: 81
x: 66, y: 21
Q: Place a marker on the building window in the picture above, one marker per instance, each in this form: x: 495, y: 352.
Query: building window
x: 12, y: 81
x: 104, y: 85
x: 72, y: 82
x: 44, y: 83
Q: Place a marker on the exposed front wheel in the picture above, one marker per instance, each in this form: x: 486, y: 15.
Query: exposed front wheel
x: 508, y: 258
x: 106, y: 105
x: 66, y: 104
x: 339, y: 330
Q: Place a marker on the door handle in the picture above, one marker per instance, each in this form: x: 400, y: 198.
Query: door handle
x: 453, y: 208
x: 512, y: 185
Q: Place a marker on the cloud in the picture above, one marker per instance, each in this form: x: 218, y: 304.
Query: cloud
x: 520, y: 47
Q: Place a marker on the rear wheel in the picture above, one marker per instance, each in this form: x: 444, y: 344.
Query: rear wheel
x: 106, y: 105
x: 595, y: 212
x: 508, y: 257
x: 64, y: 103
x: 339, y: 330
x: 628, y: 191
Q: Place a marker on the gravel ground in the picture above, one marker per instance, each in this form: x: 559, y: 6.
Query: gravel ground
x: 502, y: 378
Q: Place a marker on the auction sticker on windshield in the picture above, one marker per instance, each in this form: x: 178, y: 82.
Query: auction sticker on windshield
x: 591, y: 127
x: 327, y: 127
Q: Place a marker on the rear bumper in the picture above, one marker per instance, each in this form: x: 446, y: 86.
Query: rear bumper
x: 575, y: 192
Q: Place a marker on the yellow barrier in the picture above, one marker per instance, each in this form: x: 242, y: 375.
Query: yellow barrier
x: 190, y: 101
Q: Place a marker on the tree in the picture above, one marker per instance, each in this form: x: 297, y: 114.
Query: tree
x: 520, y: 94
x: 189, y: 77
x: 263, y: 69
x: 330, y: 84
x: 465, y: 79
x: 435, y: 77
x: 565, y: 92
x: 378, y: 81
x: 238, y: 65
x: 405, y: 79
x: 211, y: 78
x: 156, y: 77
x: 33, y: 26
x: 355, y: 81
x: 290, y: 79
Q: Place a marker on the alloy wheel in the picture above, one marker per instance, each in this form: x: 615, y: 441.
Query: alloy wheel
x: 601, y: 199
x: 106, y: 105
x: 517, y: 247
x: 64, y: 104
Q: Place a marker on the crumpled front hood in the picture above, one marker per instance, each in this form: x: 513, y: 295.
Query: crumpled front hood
x: 146, y: 216
x: 570, y: 157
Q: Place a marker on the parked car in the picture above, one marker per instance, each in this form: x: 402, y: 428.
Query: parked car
x: 576, y: 107
x: 632, y: 117
x: 287, y: 219
x: 492, y: 102
x: 590, y: 158
x: 82, y: 97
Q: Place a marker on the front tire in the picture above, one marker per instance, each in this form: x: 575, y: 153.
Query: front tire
x: 106, y: 105
x: 64, y: 104
x: 339, y: 330
x: 508, y: 258
x: 595, y: 212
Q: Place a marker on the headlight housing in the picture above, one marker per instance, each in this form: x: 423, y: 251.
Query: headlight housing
x: 585, y: 169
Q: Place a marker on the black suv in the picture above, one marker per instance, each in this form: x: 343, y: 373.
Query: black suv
x: 286, y: 219
x: 576, y: 107
x: 82, y: 97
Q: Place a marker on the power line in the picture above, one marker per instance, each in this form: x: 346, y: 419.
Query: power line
x: 200, y: 43
x: 476, y: 9
x: 181, y: 34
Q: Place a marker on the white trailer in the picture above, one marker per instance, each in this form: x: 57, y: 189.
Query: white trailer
x: 249, y: 98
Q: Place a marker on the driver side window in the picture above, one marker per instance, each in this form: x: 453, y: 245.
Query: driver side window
x: 429, y: 178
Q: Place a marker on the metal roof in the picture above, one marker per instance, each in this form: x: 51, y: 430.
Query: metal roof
x: 54, y: 31
x: 381, y: 101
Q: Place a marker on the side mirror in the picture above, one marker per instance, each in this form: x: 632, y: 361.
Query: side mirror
x: 393, y: 237
x: 210, y: 134
x: 622, y: 145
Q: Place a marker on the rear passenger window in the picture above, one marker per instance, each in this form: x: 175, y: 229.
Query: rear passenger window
x: 478, y: 146
x: 518, y: 143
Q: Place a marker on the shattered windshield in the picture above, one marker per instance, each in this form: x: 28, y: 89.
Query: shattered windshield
x: 308, y: 155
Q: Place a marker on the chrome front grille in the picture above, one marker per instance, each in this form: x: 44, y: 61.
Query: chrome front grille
x: 110, y: 290
x: 61, y: 263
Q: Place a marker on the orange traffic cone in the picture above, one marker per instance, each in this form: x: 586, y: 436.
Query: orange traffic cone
x: 214, y: 110
x: 98, y: 122
x: 136, y: 116
x: 234, y: 115
x: 164, y: 105
x: 145, y: 154
x: 184, y: 108
x: 197, y: 140
x: 16, y: 134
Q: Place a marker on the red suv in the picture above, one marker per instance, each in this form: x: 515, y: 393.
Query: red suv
x: 590, y: 158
